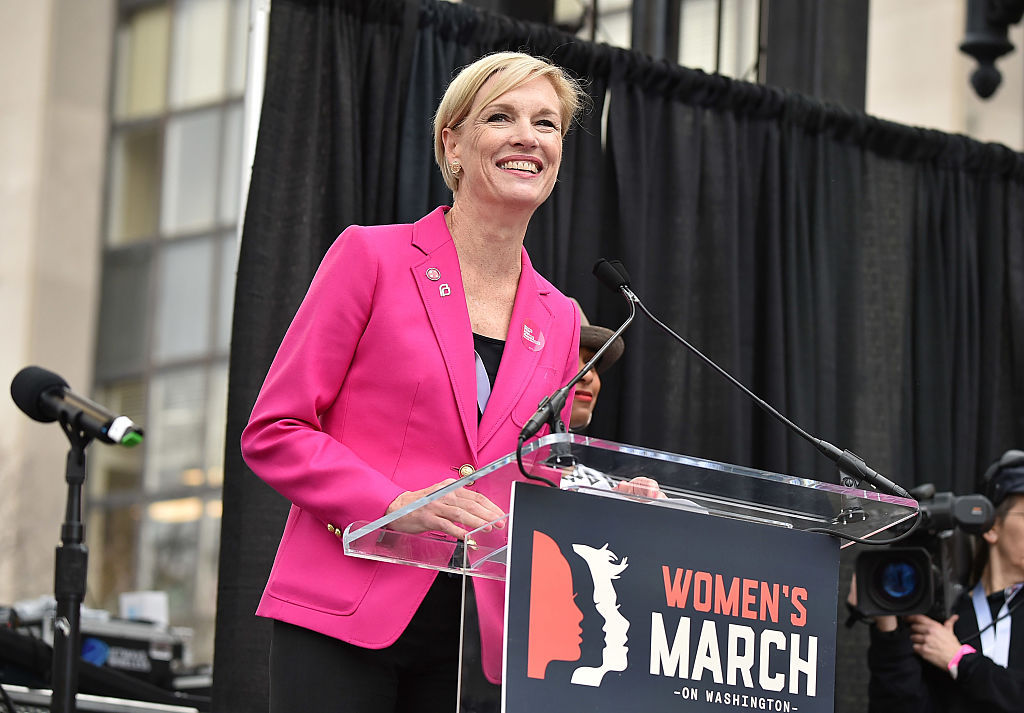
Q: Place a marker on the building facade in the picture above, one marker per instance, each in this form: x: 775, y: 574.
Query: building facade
x: 122, y: 164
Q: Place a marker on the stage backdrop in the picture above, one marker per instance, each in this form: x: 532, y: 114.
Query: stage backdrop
x: 866, y: 278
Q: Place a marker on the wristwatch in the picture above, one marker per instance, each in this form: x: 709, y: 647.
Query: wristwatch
x: 954, y: 663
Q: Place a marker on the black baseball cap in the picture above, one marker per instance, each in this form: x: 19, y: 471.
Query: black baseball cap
x: 1005, y: 476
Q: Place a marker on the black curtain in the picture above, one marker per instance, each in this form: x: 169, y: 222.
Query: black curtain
x: 864, y: 277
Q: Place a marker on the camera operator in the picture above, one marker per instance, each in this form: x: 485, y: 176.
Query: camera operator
x: 974, y: 661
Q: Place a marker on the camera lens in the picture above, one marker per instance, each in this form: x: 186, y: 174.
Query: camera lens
x: 895, y: 580
x: 899, y: 582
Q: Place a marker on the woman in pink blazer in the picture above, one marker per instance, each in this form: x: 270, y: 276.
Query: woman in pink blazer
x: 373, y: 401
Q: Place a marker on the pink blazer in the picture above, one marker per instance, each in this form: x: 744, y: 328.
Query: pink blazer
x: 372, y: 393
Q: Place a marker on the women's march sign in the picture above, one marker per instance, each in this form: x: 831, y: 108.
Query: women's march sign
x: 615, y: 604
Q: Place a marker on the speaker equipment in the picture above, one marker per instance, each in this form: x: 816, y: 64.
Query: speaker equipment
x: 26, y: 661
x: 35, y: 700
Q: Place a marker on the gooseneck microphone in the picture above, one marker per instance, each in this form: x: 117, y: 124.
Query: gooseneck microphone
x: 45, y: 396
x: 551, y: 407
x: 614, y: 276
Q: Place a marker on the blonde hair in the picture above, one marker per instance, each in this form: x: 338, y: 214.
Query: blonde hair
x: 516, y: 69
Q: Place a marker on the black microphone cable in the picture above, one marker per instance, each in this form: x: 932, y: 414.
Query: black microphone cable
x: 1018, y: 600
x: 616, y: 278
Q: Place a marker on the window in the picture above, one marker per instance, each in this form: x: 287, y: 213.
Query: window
x: 165, y: 315
x: 730, y: 49
x: 714, y: 35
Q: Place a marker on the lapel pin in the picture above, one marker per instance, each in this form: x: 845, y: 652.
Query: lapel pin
x: 533, y: 338
x: 444, y: 289
x: 433, y: 274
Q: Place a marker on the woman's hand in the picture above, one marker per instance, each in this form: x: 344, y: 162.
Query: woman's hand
x: 454, y: 514
x: 644, y: 487
x: 934, y: 642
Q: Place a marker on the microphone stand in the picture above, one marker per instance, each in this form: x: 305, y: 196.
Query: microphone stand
x: 69, y: 577
x: 550, y: 408
x: 849, y: 463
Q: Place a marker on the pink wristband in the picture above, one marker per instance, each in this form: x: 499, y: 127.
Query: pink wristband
x: 954, y: 663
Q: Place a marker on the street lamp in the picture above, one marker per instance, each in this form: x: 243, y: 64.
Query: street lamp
x: 986, y: 39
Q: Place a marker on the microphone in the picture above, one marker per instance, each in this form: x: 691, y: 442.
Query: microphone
x: 614, y: 276
x: 45, y: 396
x: 552, y: 405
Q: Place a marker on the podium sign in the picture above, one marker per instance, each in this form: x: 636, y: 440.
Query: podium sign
x: 718, y: 597
x: 614, y: 604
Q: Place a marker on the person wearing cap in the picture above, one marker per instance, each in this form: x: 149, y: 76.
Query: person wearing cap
x: 974, y: 661
x: 592, y: 338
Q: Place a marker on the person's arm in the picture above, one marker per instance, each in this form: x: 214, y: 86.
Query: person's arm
x: 933, y: 641
x: 286, y: 443
x: 978, y: 677
x: 896, y: 680
x: 897, y: 676
x: 994, y: 688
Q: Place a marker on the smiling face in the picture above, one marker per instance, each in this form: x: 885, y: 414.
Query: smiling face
x: 509, y: 148
x: 587, y: 389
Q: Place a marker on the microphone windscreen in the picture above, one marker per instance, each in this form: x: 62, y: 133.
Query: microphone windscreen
x: 609, y: 275
x: 29, y: 385
x: 621, y: 269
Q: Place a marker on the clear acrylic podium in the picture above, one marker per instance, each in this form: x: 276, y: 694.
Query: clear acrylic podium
x: 594, y: 467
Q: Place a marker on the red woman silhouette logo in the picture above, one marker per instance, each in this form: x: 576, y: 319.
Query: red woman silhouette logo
x: 555, y: 632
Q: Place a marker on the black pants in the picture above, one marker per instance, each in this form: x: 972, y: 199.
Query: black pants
x: 310, y: 672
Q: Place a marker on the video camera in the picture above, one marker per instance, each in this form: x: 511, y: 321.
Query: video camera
x: 925, y: 573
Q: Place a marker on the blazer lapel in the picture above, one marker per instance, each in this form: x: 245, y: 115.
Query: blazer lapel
x: 439, y: 281
x: 531, y: 321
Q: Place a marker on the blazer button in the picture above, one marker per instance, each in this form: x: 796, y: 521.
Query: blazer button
x: 330, y: 528
x: 465, y: 470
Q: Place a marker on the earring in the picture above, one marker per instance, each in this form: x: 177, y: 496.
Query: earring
x: 456, y: 167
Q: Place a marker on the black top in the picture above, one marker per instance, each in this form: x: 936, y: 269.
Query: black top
x: 902, y: 681
x: 490, y: 351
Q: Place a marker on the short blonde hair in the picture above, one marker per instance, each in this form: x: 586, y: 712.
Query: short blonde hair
x: 516, y: 69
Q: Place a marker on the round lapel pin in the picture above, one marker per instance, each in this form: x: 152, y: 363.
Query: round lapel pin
x: 533, y: 338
